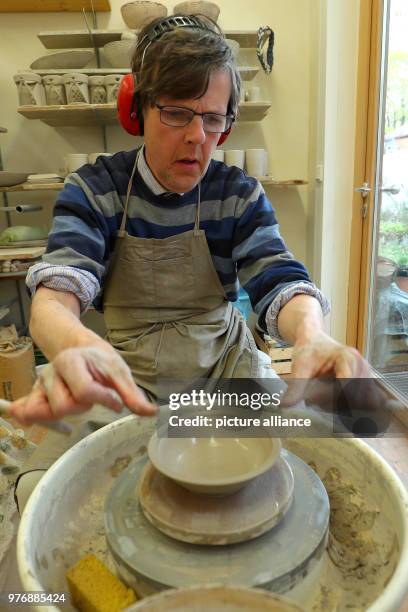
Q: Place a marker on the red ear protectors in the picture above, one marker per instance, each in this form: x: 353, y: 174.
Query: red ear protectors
x: 129, y: 112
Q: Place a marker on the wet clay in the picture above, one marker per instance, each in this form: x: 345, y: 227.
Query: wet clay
x: 359, y: 562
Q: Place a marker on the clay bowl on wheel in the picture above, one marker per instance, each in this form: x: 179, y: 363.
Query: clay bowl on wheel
x: 213, y: 466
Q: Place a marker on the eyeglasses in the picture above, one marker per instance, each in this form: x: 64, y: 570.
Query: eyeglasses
x: 177, y: 116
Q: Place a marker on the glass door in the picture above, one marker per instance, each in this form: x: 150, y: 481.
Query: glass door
x: 387, y: 324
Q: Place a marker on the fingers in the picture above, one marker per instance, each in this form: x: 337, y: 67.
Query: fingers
x: 119, y: 376
x: 350, y: 363
x: 60, y: 398
x: 95, y: 376
x: 344, y: 365
x: 17, y: 410
x: 133, y: 397
x: 319, y: 359
x: 303, y: 368
x: 77, y: 379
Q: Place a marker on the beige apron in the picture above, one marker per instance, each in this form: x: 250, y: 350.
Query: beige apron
x: 167, y: 313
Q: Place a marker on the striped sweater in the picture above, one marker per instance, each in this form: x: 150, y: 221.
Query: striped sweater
x: 239, y: 222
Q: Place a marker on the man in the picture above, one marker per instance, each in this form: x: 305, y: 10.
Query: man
x: 159, y: 239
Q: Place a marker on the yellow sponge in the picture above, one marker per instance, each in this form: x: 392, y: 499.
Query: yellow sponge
x: 94, y: 588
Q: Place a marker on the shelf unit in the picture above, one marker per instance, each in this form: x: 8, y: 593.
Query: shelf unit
x: 106, y: 114
x: 81, y: 39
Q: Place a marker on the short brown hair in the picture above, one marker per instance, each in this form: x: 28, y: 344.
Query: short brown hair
x: 180, y: 62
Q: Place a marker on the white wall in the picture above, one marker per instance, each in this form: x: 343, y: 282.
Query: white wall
x: 335, y: 148
x: 289, y: 132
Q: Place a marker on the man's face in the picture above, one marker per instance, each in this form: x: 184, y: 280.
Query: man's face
x: 179, y: 156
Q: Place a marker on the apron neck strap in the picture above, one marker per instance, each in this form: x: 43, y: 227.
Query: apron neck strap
x: 129, y: 189
x: 197, y: 216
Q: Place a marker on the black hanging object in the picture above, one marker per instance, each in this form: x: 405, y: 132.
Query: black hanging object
x: 265, y: 34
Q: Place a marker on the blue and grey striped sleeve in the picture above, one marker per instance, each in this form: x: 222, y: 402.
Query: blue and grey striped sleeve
x: 266, y: 269
x: 79, y: 244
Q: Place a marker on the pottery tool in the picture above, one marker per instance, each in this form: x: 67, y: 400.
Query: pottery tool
x: 58, y: 426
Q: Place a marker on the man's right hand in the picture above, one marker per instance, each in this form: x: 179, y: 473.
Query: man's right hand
x: 75, y: 380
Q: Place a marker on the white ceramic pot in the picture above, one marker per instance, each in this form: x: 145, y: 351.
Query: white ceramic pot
x: 54, y: 89
x: 30, y: 89
x: 97, y: 90
x: 112, y: 82
x: 253, y: 94
x: 255, y: 162
x: 138, y: 14
x: 235, y: 157
x: 218, y: 155
x: 73, y: 161
x: 76, y: 88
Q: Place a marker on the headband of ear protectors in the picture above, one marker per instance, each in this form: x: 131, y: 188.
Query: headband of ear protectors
x: 129, y: 110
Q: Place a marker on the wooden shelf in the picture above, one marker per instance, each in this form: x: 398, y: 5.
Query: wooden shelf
x: 76, y: 39
x: 41, y: 6
x: 265, y: 180
x: 253, y: 111
x: 72, y: 115
x: 16, y: 252
x: 247, y: 72
x: 32, y: 187
x: 13, y: 275
x: 106, y: 114
x: 88, y: 71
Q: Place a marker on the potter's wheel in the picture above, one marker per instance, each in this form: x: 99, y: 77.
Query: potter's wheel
x: 277, y: 560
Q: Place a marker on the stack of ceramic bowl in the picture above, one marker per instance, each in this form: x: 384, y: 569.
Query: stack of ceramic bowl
x: 208, y: 478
